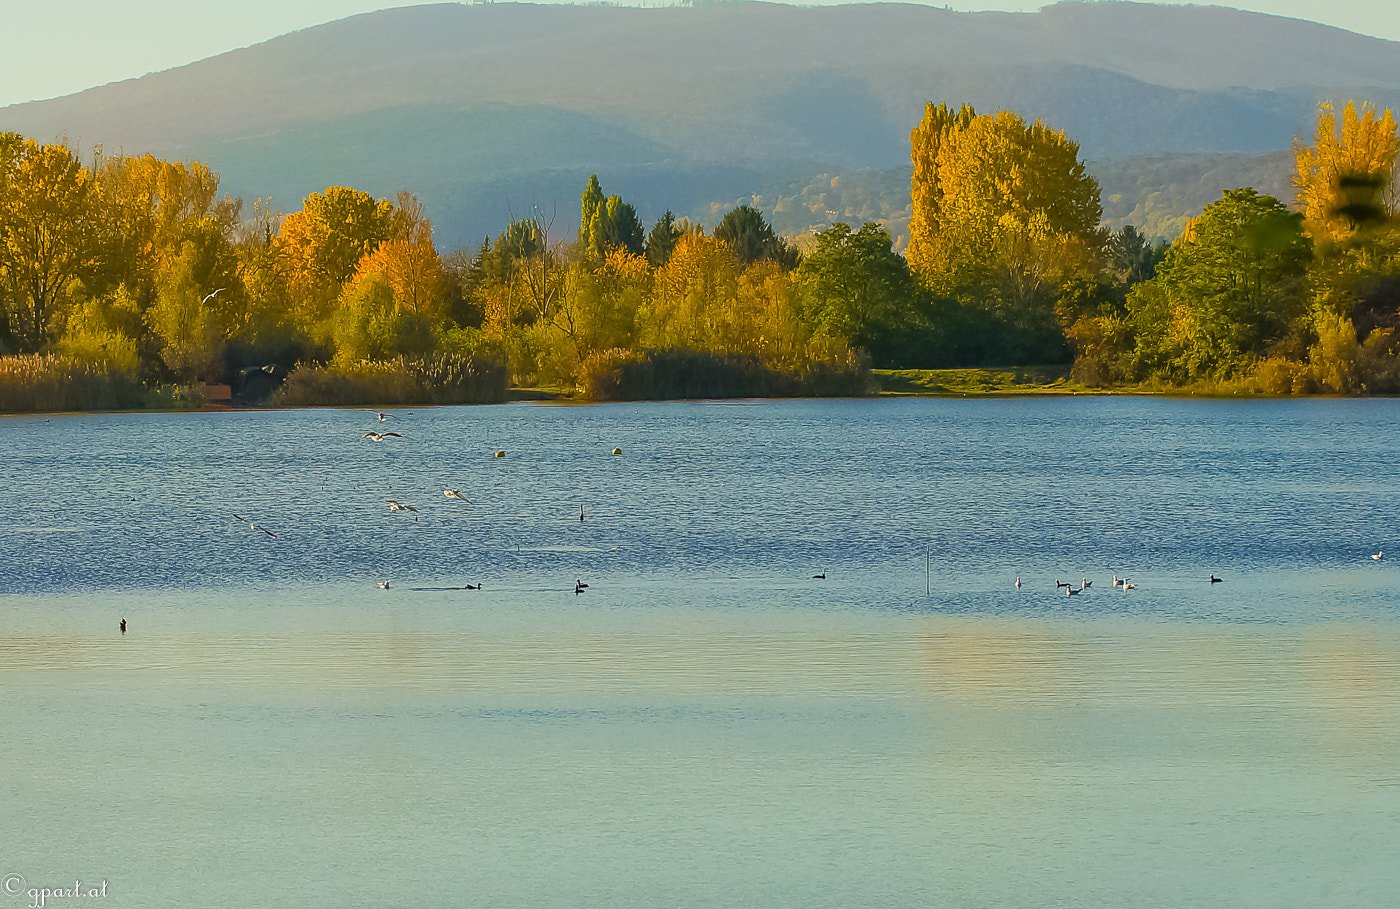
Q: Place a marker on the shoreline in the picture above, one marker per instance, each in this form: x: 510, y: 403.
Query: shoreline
x: 980, y: 382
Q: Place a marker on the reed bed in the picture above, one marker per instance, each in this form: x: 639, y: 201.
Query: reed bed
x: 442, y: 379
x: 45, y: 383
x: 659, y: 375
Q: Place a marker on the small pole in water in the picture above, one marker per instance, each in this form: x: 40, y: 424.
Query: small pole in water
x: 928, y: 588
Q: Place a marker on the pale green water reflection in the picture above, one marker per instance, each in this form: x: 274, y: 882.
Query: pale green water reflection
x: 685, y: 757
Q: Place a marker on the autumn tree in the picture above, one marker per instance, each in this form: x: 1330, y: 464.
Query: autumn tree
x: 153, y: 207
x: 51, y: 231
x: 692, y: 292
x: 1344, y: 176
x: 926, y: 192
x: 1229, y: 289
x: 1346, y: 188
x: 1004, y: 214
x: 600, y: 305
x: 188, y: 321
x: 322, y: 245
x: 994, y: 182
x: 409, y: 262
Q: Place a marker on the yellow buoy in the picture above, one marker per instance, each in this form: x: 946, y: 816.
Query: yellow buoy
x: 617, y: 451
x: 500, y: 454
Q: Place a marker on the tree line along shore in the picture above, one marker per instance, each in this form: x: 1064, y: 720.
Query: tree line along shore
x: 129, y: 282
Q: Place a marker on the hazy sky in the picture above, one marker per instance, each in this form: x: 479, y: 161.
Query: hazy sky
x: 56, y: 47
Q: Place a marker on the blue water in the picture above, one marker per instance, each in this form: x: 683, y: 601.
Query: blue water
x: 706, y: 724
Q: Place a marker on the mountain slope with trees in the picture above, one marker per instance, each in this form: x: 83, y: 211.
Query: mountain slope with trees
x: 485, y: 110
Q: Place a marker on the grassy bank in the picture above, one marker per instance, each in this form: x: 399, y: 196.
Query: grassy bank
x: 1013, y: 380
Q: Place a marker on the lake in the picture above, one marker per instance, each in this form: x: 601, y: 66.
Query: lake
x: 801, y: 673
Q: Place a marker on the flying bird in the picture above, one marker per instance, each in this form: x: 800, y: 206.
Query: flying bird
x: 399, y: 506
x: 381, y: 436
x: 454, y: 494
x: 212, y: 296
x: 382, y: 416
x: 253, y: 526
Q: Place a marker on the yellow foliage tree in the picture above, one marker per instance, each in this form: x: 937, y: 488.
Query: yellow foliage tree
x: 693, y: 292
x: 995, y: 200
x: 153, y: 205
x: 1343, y: 176
x: 412, y: 270
x: 51, y: 231
x: 321, y: 246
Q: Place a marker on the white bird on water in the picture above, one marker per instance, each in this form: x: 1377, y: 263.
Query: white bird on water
x: 383, y: 585
x: 1377, y: 556
x: 381, y: 436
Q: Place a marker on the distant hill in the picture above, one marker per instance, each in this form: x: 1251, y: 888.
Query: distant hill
x: 486, y: 110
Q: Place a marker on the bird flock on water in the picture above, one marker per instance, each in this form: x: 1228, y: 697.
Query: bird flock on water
x: 454, y: 496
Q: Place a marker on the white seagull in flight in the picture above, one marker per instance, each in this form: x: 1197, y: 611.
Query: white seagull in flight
x: 381, y: 436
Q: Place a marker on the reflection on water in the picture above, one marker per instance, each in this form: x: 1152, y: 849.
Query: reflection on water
x: 708, y: 725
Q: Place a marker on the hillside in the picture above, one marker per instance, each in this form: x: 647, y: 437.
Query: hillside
x: 486, y: 110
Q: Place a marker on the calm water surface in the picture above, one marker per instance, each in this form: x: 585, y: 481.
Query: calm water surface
x: 707, y: 724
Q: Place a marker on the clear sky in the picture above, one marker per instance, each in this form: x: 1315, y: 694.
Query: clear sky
x: 50, y: 48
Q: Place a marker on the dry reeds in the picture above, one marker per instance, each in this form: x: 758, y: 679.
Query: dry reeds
x: 657, y: 375
x: 443, y: 379
x: 43, y: 383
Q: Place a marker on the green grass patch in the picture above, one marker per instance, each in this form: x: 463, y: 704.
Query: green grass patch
x: 1011, y: 380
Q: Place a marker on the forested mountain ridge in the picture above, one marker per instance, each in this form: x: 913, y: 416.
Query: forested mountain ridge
x: 486, y: 109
